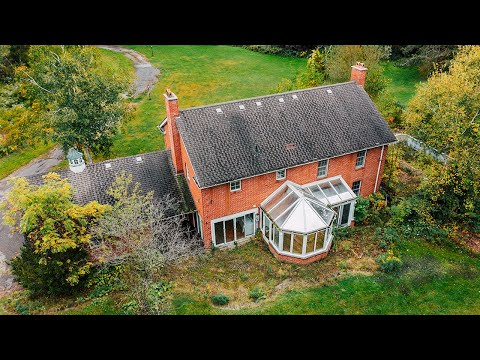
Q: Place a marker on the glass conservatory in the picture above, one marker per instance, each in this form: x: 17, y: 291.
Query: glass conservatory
x: 295, y: 222
x: 337, y: 195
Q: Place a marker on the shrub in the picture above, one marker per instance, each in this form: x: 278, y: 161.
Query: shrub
x: 390, y: 235
x: 361, y: 210
x: 369, y: 210
x: 48, y: 278
x: 257, y: 294
x: 220, y: 299
x: 389, y: 262
x: 341, y: 233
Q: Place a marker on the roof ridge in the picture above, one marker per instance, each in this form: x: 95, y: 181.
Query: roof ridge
x: 265, y: 96
x: 129, y: 156
x: 96, y: 163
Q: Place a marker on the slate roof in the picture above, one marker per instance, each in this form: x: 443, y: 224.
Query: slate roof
x: 239, y: 143
x: 155, y: 172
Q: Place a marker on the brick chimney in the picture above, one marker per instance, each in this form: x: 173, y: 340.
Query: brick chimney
x: 173, y: 137
x: 359, y: 72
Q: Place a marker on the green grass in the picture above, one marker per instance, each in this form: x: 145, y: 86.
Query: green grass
x: 100, y: 306
x: 199, y: 75
x: 435, y: 279
x: 403, y: 81
x: 16, y: 160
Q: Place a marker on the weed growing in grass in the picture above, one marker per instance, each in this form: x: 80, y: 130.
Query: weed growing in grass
x: 257, y: 294
x: 220, y: 299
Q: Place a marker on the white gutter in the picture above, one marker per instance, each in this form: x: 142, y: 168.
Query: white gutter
x: 378, y: 170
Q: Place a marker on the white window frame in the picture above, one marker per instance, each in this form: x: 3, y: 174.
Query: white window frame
x: 186, y: 171
x: 284, y: 174
x: 234, y: 183
x: 326, y: 168
x: 350, y: 213
x: 233, y: 217
x: 270, y: 240
x: 363, y: 162
x: 359, y: 187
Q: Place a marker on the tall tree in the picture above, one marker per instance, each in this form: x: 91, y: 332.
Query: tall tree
x: 426, y: 57
x: 445, y: 114
x: 341, y: 57
x: 83, y: 105
x: 54, y: 259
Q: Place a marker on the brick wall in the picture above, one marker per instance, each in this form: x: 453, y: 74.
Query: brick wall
x: 296, y: 260
x: 218, y: 201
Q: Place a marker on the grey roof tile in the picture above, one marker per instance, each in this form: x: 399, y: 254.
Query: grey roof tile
x: 222, y: 146
x: 154, y: 173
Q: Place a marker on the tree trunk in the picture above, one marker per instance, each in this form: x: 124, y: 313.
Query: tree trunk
x: 87, y: 153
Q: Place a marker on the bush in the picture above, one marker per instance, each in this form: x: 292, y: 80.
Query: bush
x: 220, y: 299
x: 341, y: 233
x: 361, y: 210
x: 284, y: 50
x: 257, y: 294
x: 369, y: 210
x: 389, y: 262
x: 48, y: 278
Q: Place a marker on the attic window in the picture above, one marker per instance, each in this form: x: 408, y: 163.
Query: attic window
x: 219, y: 111
x: 108, y: 166
x: 329, y: 91
x: 281, y: 100
x: 138, y: 159
x: 258, y: 103
x: 241, y: 107
x: 295, y: 97
x: 290, y: 146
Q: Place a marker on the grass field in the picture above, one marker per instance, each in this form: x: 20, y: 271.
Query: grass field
x: 16, y: 160
x: 433, y: 280
x: 403, y: 81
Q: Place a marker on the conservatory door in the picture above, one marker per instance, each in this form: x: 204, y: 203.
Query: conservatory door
x: 343, y: 214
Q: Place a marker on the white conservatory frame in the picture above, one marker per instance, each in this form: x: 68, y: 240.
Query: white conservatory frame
x: 337, y: 200
x: 275, y: 234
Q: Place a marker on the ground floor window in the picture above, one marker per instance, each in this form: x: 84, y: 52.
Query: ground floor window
x: 344, y: 213
x: 198, y: 221
x: 288, y: 243
x: 233, y: 228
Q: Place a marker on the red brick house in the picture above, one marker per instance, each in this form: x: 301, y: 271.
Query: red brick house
x: 289, y: 164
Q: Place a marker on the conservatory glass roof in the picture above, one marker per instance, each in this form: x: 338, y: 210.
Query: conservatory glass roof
x: 330, y: 191
x: 296, y: 210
